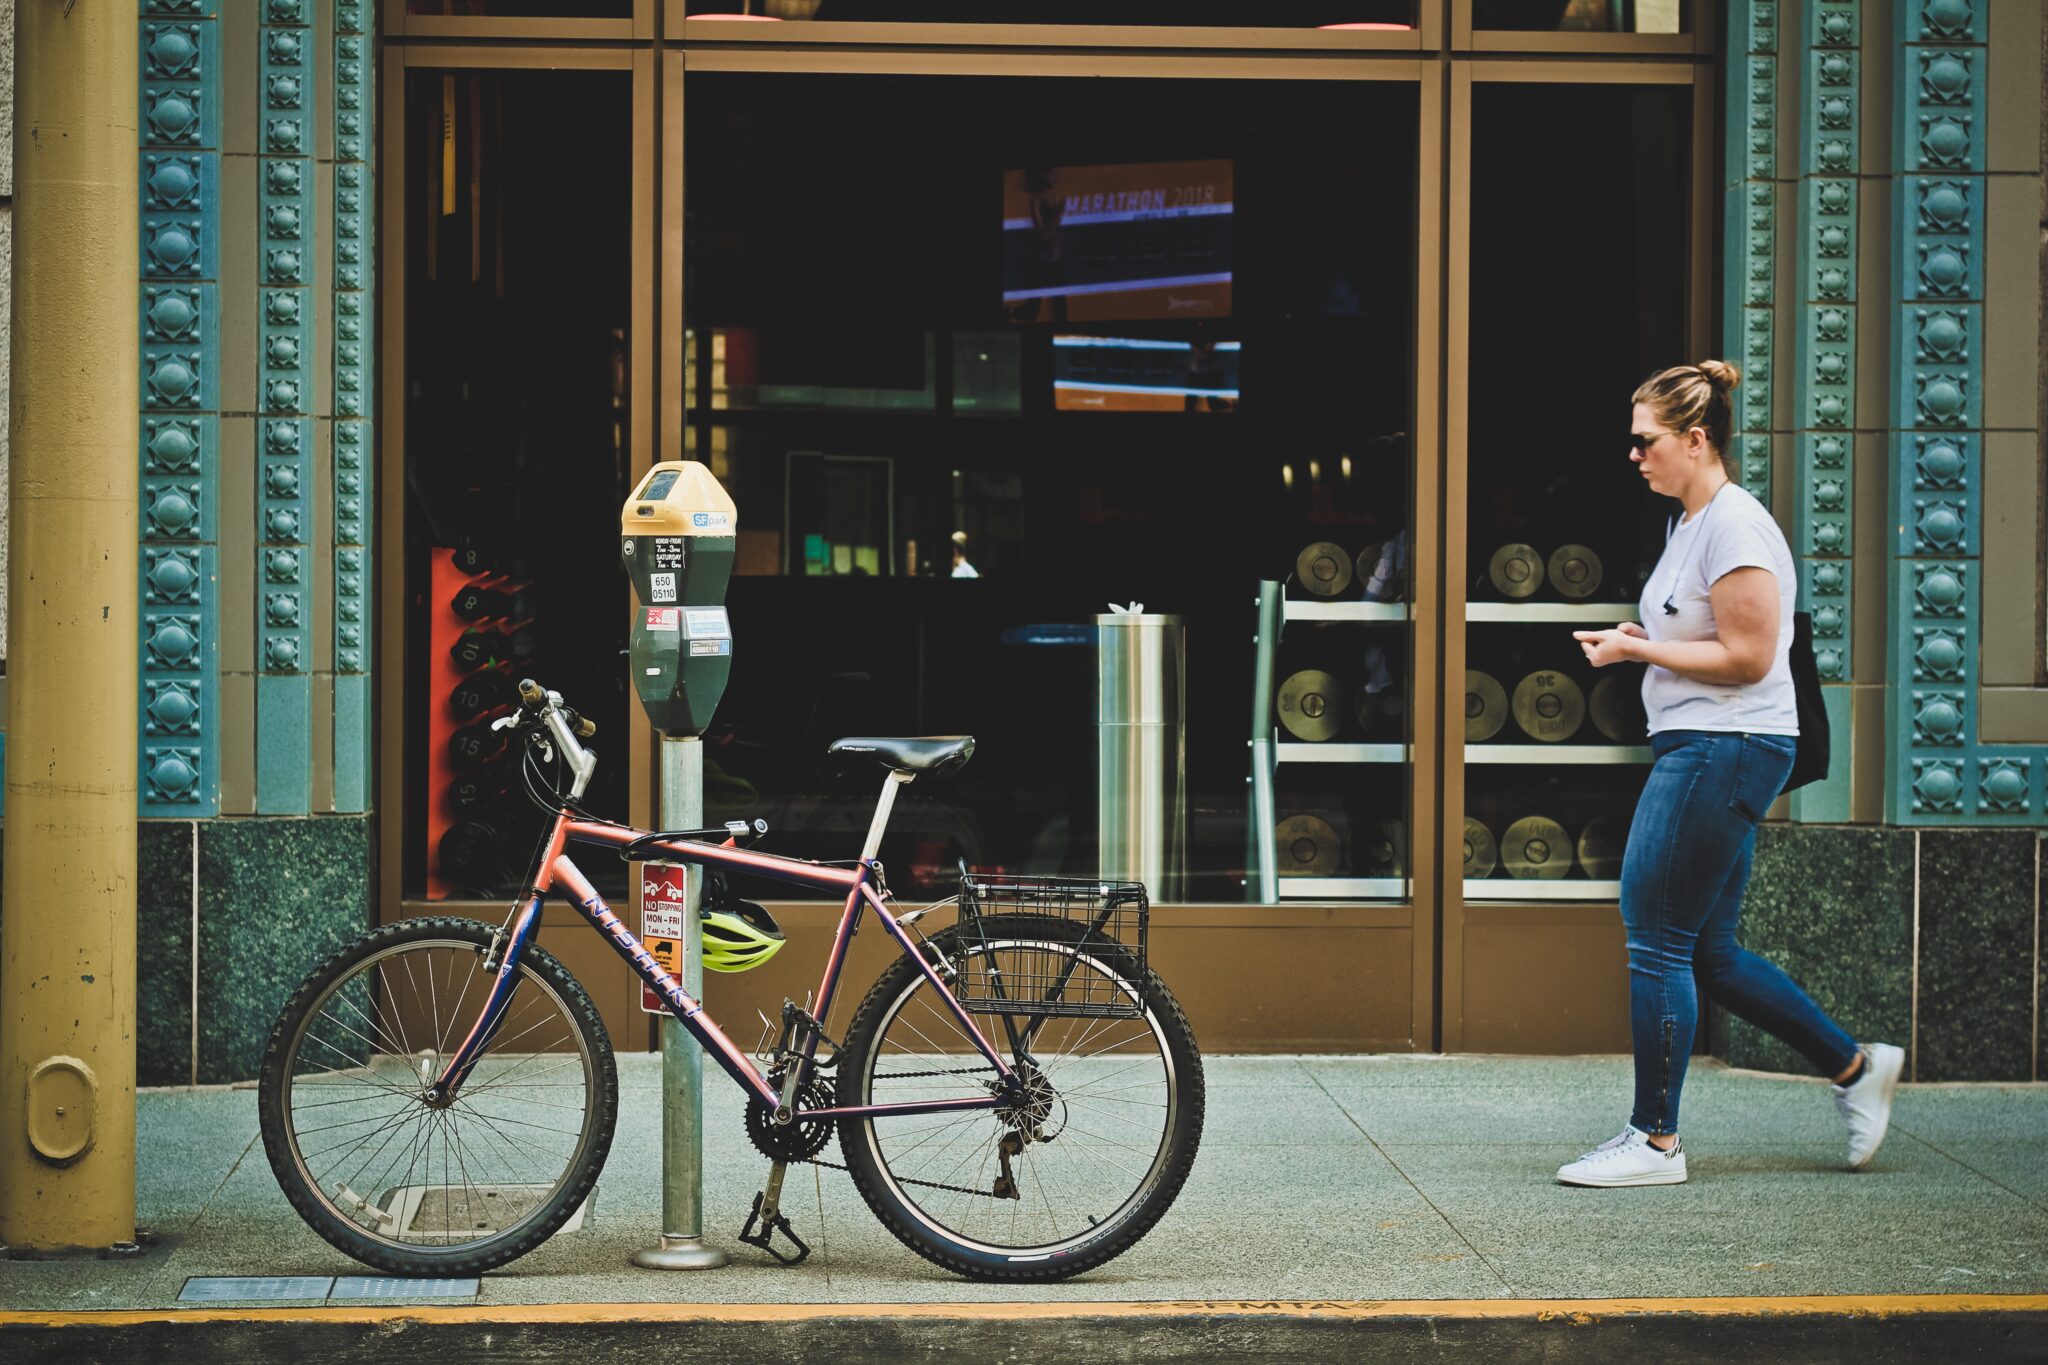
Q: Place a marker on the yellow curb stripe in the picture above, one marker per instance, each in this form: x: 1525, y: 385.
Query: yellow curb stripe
x: 1579, y: 1311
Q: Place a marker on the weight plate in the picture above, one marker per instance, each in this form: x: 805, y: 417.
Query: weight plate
x: 1617, y: 707
x: 1384, y: 850
x: 1323, y: 569
x: 1486, y: 706
x: 1368, y: 560
x: 1575, y: 571
x: 1516, y: 571
x: 1308, y: 705
x: 1601, y: 845
x: 1536, y: 849
x: 1305, y: 846
x: 1549, y: 706
x: 1481, y: 855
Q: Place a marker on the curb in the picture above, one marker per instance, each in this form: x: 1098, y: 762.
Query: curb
x: 1861, y: 1328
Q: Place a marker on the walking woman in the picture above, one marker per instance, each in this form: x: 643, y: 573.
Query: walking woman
x: 1716, y: 633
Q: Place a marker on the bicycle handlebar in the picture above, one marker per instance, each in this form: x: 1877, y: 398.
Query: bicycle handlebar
x: 566, y: 728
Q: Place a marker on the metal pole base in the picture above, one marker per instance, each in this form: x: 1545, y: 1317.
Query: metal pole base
x: 680, y: 1253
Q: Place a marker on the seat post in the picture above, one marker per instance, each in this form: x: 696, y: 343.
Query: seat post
x: 897, y: 778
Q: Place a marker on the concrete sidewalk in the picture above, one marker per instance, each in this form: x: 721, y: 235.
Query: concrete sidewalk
x: 1319, y: 1178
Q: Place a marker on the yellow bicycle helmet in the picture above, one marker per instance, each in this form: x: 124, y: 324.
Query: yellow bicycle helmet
x: 737, y: 935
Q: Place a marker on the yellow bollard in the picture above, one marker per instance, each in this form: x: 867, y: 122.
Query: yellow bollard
x: 67, y: 940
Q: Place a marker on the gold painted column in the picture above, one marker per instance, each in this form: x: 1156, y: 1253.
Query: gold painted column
x: 67, y: 908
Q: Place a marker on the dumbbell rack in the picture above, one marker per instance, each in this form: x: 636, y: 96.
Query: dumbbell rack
x: 1262, y: 877
x: 1268, y: 751
x: 1561, y: 614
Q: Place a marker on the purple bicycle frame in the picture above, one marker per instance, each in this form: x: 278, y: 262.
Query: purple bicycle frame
x: 558, y: 874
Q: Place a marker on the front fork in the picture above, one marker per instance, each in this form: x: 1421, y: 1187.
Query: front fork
x: 501, y: 963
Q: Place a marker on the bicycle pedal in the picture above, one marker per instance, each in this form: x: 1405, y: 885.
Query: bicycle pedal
x: 766, y: 1237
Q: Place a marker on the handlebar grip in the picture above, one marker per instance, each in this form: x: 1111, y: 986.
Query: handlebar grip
x: 531, y: 692
x: 585, y: 727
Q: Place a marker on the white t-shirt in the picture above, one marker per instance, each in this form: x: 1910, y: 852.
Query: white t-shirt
x: 1734, y: 531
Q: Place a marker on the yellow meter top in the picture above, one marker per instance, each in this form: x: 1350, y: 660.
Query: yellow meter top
x: 678, y: 498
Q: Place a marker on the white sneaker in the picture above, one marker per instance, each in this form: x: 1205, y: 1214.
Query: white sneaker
x: 1866, y: 1102
x: 1626, y: 1159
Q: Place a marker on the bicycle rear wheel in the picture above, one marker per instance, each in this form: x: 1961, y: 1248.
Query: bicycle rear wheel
x: 396, y: 1182
x: 1048, y: 1188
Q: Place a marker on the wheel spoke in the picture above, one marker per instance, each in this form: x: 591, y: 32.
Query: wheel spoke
x: 425, y: 1181
x: 1101, y: 1090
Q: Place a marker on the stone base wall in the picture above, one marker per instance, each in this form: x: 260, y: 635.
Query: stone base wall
x: 1930, y: 939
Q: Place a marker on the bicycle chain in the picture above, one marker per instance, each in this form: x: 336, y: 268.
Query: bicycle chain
x: 906, y: 1180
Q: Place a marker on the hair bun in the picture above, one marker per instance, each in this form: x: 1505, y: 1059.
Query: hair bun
x: 1720, y: 374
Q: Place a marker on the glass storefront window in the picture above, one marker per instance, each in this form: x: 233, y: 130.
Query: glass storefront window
x: 977, y: 358
x: 1332, y: 14
x: 1570, y: 311
x: 516, y: 316
x: 522, y: 9
x: 1584, y: 16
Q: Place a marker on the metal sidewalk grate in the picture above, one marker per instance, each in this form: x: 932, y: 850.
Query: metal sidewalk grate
x: 213, y: 1288
x: 321, y: 1288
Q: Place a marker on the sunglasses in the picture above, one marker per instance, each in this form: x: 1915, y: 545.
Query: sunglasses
x: 1640, y: 441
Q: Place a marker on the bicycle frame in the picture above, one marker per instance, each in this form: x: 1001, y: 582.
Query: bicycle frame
x: 557, y: 873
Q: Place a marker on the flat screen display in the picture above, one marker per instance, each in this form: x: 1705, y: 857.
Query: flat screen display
x: 1111, y: 243
x: 1141, y: 374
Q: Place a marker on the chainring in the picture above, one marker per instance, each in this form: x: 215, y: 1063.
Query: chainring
x: 801, y: 1138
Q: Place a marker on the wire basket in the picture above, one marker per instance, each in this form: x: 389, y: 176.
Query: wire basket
x: 1016, y: 977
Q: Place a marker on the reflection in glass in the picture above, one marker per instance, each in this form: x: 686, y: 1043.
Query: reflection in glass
x: 1561, y: 532
x: 1584, y: 16
x: 847, y: 314
x: 516, y: 314
x: 1394, y: 14
x: 523, y: 9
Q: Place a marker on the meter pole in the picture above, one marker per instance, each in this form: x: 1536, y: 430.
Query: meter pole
x: 682, y: 1060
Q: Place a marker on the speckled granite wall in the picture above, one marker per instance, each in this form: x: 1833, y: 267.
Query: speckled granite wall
x: 1833, y: 906
x: 275, y: 897
x: 163, y: 952
x: 1976, y: 955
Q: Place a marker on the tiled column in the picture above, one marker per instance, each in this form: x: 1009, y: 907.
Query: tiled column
x: 1938, y: 773
x: 1823, y: 492
x: 179, y: 693
x: 1750, y: 221
x: 284, y: 396
x: 354, y: 342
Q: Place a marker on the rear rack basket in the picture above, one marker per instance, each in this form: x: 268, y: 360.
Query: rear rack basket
x: 1036, y: 977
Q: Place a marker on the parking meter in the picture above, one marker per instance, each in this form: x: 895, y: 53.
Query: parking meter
x: 676, y: 539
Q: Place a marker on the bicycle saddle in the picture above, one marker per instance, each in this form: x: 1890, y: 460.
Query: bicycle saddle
x: 935, y: 756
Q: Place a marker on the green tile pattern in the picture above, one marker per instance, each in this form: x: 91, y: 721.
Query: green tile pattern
x: 276, y: 897
x: 1833, y: 906
x: 1749, y: 229
x: 1937, y: 772
x: 286, y: 305
x: 1976, y: 955
x: 178, y: 694
x: 1824, y: 404
x: 354, y: 343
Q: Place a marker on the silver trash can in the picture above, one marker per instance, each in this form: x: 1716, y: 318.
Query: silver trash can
x: 1141, y: 781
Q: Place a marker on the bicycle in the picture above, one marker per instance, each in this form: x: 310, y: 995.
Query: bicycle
x: 438, y: 1097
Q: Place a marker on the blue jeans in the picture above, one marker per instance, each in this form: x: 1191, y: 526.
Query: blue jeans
x: 1689, y: 851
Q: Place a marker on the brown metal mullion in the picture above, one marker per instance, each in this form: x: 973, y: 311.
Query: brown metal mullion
x: 1425, y: 772
x: 1456, y: 496
x: 393, y: 191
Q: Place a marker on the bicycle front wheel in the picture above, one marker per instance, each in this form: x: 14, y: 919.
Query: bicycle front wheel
x: 407, y: 1186
x: 1055, y: 1185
